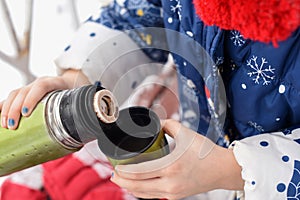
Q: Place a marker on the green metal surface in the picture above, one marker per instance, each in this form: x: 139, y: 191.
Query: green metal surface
x: 28, y: 145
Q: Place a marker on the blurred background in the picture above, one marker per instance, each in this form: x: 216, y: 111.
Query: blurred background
x: 33, y: 33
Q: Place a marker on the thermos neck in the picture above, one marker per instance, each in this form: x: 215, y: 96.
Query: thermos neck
x: 76, y: 117
x: 54, y: 123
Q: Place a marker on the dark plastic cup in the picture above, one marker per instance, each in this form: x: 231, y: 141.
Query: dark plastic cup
x: 135, y: 137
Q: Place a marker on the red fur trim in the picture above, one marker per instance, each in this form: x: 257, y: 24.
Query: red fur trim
x: 262, y: 20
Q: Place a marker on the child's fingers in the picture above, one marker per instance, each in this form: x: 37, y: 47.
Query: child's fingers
x: 33, y: 97
x: 5, y: 108
x: 15, y: 109
x: 23, y: 100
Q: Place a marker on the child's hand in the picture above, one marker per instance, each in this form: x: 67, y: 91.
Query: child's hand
x: 196, y: 165
x: 22, y: 101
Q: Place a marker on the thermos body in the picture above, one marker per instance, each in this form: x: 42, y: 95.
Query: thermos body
x: 30, y: 144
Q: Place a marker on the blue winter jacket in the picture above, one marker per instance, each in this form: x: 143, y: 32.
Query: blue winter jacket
x: 262, y: 88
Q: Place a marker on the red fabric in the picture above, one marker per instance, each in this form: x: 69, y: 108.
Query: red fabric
x: 261, y: 20
x: 70, y: 179
x: 104, y: 192
x: 12, y: 191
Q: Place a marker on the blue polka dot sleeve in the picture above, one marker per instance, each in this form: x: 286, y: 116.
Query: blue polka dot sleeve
x: 270, y: 165
x: 99, y: 46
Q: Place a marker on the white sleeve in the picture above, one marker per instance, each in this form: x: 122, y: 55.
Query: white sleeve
x: 270, y: 165
x: 108, y: 56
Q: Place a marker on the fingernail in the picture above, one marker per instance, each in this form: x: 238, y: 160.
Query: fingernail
x: 24, y: 110
x: 11, y: 122
x: 112, y: 174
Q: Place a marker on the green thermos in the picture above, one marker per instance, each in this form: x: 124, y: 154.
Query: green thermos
x: 60, y: 124
x: 66, y: 120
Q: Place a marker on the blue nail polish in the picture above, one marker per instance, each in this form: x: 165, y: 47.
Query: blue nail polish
x: 24, y: 110
x: 112, y: 174
x: 11, y: 122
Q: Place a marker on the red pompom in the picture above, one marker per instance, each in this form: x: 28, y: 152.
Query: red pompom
x: 261, y: 20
